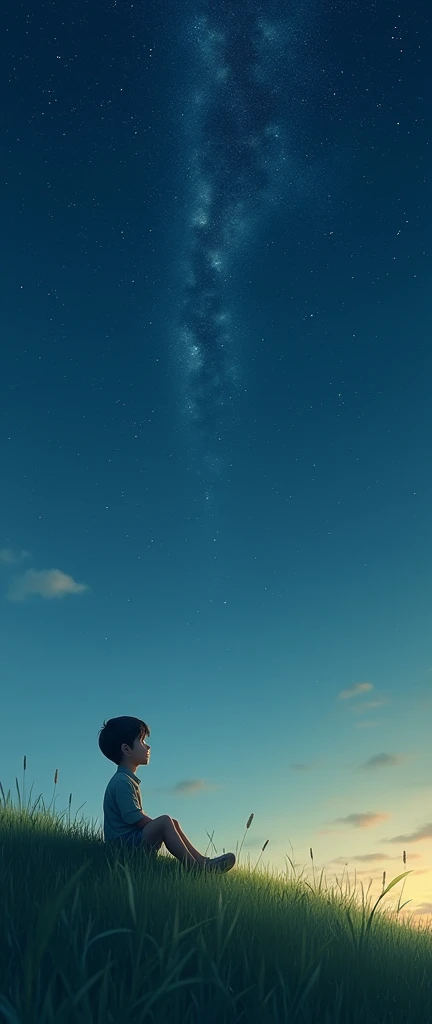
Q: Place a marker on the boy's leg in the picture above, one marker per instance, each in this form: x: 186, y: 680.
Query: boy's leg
x: 164, y: 828
x: 195, y: 853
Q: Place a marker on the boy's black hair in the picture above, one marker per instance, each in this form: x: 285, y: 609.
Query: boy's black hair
x: 120, y: 730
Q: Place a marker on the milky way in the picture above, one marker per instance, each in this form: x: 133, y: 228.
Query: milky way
x: 238, y: 168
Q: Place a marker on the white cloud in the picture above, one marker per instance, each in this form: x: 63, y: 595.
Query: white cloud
x: 12, y: 556
x: 367, y: 705
x: 422, y: 832
x: 366, y: 820
x: 48, y: 583
x: 354, y: 690
x: 190, y: 786
x: 367, y: 858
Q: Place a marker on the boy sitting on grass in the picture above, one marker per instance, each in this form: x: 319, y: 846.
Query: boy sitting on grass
x: 122, y: 740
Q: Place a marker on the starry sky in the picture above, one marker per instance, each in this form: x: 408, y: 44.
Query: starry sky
x: 215, y: 439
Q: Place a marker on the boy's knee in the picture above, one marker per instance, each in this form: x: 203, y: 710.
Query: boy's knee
x: 164, y: 819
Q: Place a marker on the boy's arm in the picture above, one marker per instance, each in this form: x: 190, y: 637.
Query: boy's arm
x: 129, y: 804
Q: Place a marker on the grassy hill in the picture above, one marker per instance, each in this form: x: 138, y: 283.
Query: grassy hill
x: 94, y: 936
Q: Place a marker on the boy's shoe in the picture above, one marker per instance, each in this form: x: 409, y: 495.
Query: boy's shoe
x: 223, y: 863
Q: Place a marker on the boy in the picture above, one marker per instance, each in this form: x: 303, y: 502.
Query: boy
x: 122, y: 740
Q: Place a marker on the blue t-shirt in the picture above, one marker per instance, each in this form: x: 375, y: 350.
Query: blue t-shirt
x: 122, y: 806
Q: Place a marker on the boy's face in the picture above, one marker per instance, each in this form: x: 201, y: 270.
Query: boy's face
x: 139, y: 753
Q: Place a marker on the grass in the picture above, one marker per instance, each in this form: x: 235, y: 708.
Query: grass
x: 89, y: 935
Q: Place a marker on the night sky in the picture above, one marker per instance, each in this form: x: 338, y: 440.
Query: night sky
x: 215, y: 375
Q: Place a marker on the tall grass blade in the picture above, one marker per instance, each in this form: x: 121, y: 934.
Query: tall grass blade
x: 44, y: 927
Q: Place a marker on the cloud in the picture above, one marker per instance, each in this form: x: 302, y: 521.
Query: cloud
x: 425, y: 832
x: 368, y: 704
x: 188, y: 787
x: 48, y: 583
x: 366, y: 820
x: 354, y: 690
x: 382, y: 761
x: 12, y: 556
x: 423, y: 908
x: 366, y: 858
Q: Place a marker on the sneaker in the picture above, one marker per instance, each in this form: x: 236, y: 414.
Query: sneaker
x: 223, y: 863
